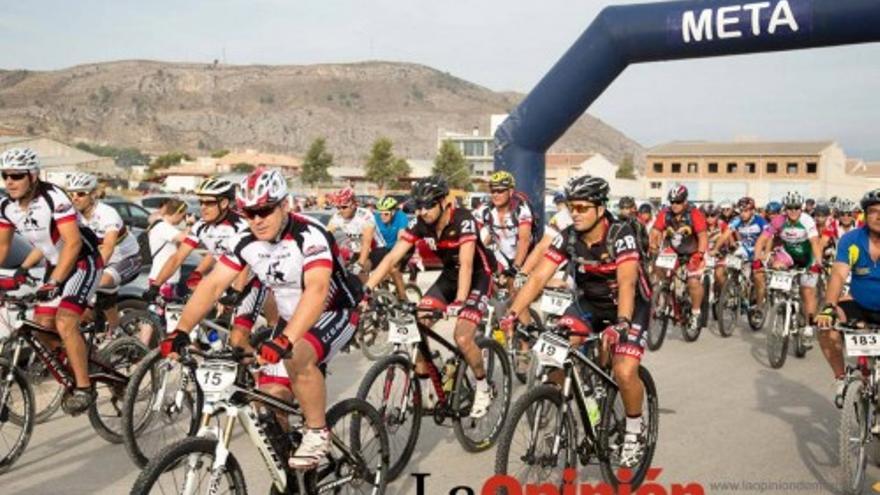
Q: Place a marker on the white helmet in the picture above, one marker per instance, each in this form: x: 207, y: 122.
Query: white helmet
x: 793, y: 199
x: 213, y: 186
x: 81, y: 181
x: 19, y: 159
x: 264, y: 186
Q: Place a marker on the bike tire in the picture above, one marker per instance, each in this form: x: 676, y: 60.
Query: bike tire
x: 853, y: 439
x: 523, y: 377
x: 659, y: 323
x: 728, y: 310
x: 338, y: 465
x: 138, y: 447
x: 374, y: 341
x: 401, y: 449
x: 134, y: 320
x: 612, y: 428
x: 494, y: 357
x: 777, y: 344
x: 47, y: 390
x: 182, y: 451
x: 23, y: 416
x: 800, y: 344
x: 525, y: 409
x: 122, y: 354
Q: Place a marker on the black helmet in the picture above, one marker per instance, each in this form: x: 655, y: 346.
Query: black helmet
x: 430, y: 190
x: 710, y: 210
x: 822, y: 210
x: 870, y: 198
x: 626, y: 202
x: 587, y: 188
x: 645, y: 208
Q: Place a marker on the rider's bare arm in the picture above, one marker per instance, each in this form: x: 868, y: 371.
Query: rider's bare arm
x: 537, y: 254
x: 534, y: 285
x: 522, y: 245
x: 174, y: 263
x: 206, y: 294
x: 839, y: 272
x: 106, y: 248
x: 817, y: 250
x: 32, y: 259
x: 401, y: 247
x: 366, y: 244
x: 465, y: 269
x: 316, y: 286
x: 654, y: 240
x: 5, y: 241
x: 242, y: 280
x: 627, y: 276
x: 69, y: 232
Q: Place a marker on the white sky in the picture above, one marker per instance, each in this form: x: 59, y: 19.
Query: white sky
x: 829, y: 93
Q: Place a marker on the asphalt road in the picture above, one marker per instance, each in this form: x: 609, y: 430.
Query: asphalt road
x: 727, y: 419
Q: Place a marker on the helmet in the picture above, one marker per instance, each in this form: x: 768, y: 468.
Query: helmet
x: 745, y: 203
x: 626, y: 202
x: 645, y: 208
x: 587, y: 188
x: 82, y: 182
x: 822, y: 210
x: 677, y: 193
x: 725, y: 204
x: 711, y: 210
x: 263, y: 186
x: 870, y: 198
x: 846, y: 206
x: 387, y: 204
x: 559, y: 197
x: 793, y: 199
x: 19, y: 159
x: 213, y: 186
x: 502, y: 179
x: 429, y: 190
x: 774, y: 207
x: 810, y: 201
x: 343, y: 197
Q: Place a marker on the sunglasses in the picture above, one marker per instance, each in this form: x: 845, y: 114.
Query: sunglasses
x: 80, y: 194
x: 792, y: 208
x: 498, y: 191
x: 580, y: 207
x: 208, y: 202
x: 265, y: 211
x: 426, y: 206
x: 345, y: 207
x: 18, y: 176
x: 677, y: 202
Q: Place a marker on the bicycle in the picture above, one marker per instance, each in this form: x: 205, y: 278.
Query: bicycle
x: 859, y: 427
x: 398, y: 396
x: 669, y: 302
x: 787, y: 320
x: 499, y: 302
x: 105, y: 371
x: 542, y: 433
x: 738, y: 296
x: 229, y: 393
x: 163, y: 401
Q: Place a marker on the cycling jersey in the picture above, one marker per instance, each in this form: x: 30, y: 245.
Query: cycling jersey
x: 681, y: 230
x: 834, y: 230
x: 49, y: 208
x: 795, y: 236
x: 715, y: 232
x: 559, y: 222
x: 391, y: 230
x: 302, y: 244
x: 354, y: 228
x: 504, y: 229
x: 748, y: 231
x: 853, y: 249
x: 105, y: 219
x: 461, y: 229
x: 217, y: 237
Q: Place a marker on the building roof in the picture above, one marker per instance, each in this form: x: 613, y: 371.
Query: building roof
x: 55, y: 156
x: 566, y: 159
x: 745, y: 148
x: 197, y: 169
x: 256, y: 158
x: 867, y: 169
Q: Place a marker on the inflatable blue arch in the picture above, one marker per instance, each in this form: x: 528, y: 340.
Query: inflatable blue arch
x: 629, y: 34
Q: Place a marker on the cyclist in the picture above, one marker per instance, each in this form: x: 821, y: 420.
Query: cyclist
x: 464, y: 283
x: 857, y: 255
x: 612, y: 290
x: 44, y: 215
x: 558, y: 222
x: 507, y: 223
x: 809, y: 206
x: 727, y: 211
x: 747, y: 227
x: 391, y: 220
x: 773, y: 209
x: 358, y: 226
x: 216, y: 231
x: 164, y: 236
x: 798, y: 247
x: 119, y: 250
x: 626, y: 207
x: 646, y: 216
x: 296, y: 258
x: 684, y: 228
x: 844, y: 222
x: 719, y: 243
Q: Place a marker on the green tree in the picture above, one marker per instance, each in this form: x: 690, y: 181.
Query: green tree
x: 383, y: 168
x: 124, y: 157
x: 242, y: 168
x: 450, y: 164
x: 169, y: 159
x: 626, y: 170
x: 316, y: 163
x: 219, y: 153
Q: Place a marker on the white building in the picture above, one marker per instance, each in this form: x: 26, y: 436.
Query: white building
x: 562, y: 166
x: 59, y: 160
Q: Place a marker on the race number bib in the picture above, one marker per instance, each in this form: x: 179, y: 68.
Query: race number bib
x: 862, y: 344
x: 666, y: 261
x: 172, y: 316
x: 710, y: 261
x: 555, y: 302
x: 781, y: 281
x: 551, y: 350
x: 734, y: 262
x: 403, y: 332
x: 215, y: 377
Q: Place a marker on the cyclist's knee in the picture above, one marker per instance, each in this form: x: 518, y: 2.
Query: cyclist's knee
x: 626, y: 370
x: 464, y: 334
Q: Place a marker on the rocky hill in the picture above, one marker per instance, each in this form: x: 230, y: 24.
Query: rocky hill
x: 158, y: 106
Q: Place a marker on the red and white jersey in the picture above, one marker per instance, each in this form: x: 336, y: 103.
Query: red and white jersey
x: 834, y: 229
x: 503, y: 229
x: 302, y: 245
x: 38, y: 223
x: 106, y: 219
x: 354, y: 228
x: 217, y: 237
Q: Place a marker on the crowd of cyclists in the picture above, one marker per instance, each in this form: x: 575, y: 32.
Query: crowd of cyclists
x: 309, y: 282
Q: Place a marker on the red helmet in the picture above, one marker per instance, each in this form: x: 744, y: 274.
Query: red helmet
x: 264, y: 186
x: 343, y: 197
x: 677, y: 193
x: 745, y: 203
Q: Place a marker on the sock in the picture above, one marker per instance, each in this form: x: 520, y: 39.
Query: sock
x: 634, y: 424
x: 695, y: 312
x: 482, y: 384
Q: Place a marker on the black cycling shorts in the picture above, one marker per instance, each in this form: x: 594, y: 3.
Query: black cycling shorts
x: 584, y: 318
x: 77, y: 289
x: 445, y: 288
x: 253, y: 297
x: 856, y: 312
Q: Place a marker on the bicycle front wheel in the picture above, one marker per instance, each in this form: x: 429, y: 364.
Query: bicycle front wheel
x: 17, y: 416
x: 47, y: 390
x: 373, y: 330
x: 854, y: 438
x: 728, y: 305
x: 777, y: 337
x: 122, y: 356
x: 661, y: 311
x: 186, y: 466
x: 479, y: 434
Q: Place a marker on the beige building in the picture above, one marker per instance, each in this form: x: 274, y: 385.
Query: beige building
x: 478, y: 149
x: 562, y: 166
x: 763, y: 170
x: 59, y: 160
